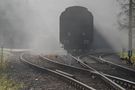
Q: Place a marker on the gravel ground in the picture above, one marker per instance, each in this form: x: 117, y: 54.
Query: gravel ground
x: 34, y: 80
x: 108, y: 69
x: 66, y: 59
x: 84, y: 77
x: 116, y: 59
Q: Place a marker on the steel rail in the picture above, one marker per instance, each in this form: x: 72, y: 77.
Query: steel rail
x: 116, y: 86
x: 123, y: 82
x: 91, y: 70
x: 70, y: 80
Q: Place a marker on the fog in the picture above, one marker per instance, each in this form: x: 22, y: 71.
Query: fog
x: 35, y: 23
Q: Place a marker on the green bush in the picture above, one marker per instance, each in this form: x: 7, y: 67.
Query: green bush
x: 5, y: 82
x: 124, y: 55
x: 8, y: 84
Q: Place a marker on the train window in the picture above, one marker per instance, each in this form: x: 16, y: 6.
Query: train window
x: 80, y: 50
x: 83, y: 33
x: 74, y: 50
x: 66, y: 41
x: 86, y: 41
x: 69, y: 33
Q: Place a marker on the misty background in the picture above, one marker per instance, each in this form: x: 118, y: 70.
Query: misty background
x: 34, y: 24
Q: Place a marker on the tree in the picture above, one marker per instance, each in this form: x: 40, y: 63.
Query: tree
x: 127, y: 21
x: 123, y: 16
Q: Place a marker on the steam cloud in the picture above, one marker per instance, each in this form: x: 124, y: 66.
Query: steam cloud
x: 35, y: 23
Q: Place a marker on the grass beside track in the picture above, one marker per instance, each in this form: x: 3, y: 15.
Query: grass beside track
x: 5, y: 82
x: 125, y: 56
x: 8, y: 84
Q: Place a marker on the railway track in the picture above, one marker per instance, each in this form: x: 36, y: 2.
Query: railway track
x: 84, y: 79
x: 66, y: 78
x: 83, y: 72
x: 120, y: 75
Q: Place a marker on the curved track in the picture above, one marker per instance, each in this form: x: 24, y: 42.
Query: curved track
x: 101, y: 79
x: 83, y: 78
x: 68, y: 79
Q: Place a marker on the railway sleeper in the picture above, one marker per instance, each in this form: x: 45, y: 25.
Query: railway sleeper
x: 125, y: 84
x: 70, y: 80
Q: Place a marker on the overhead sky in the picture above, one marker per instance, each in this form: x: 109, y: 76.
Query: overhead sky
x: 39, y: 20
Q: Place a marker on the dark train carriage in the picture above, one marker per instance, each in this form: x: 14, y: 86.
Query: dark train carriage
x: 76, y: 29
